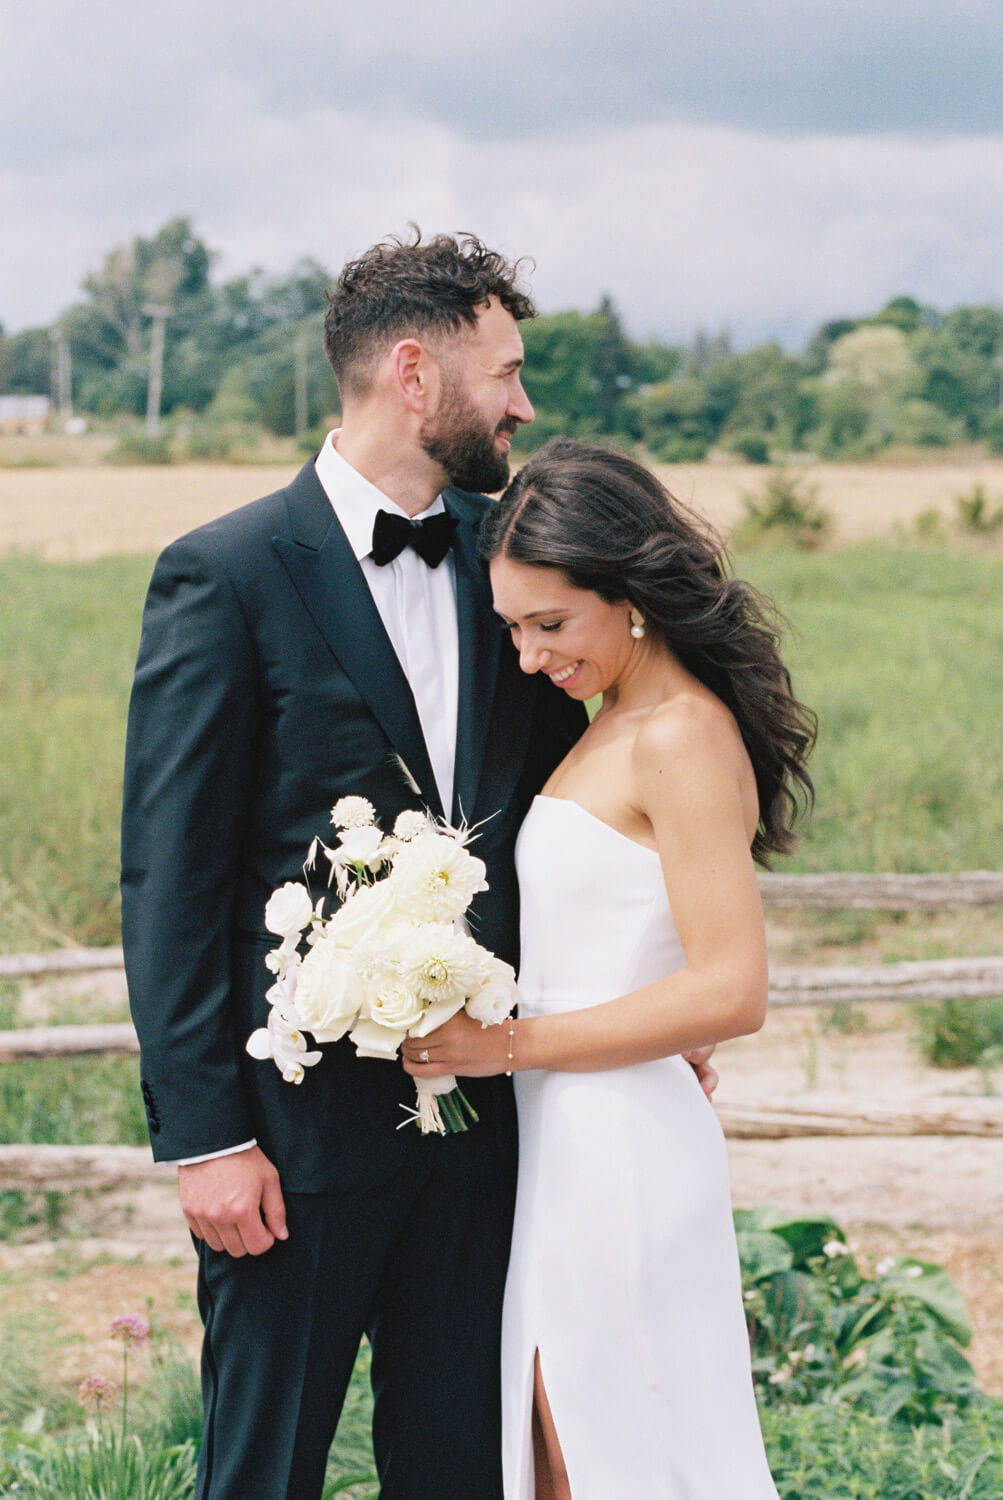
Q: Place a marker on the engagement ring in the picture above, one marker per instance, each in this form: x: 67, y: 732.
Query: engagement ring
x: 424, y: 1055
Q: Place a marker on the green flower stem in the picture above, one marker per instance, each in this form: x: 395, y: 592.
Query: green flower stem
x: 471, y: 1111
x: 451, y: 1114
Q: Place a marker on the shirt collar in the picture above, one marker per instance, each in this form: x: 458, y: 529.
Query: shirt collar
x: 354, y: 499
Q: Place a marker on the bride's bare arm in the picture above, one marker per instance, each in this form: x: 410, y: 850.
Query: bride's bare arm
x: 692, y: 783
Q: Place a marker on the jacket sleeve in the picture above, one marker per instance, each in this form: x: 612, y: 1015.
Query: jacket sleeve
x: 188, y: 779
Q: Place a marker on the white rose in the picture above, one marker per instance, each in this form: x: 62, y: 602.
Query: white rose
x: 289, y: 909
x: 352, y: 812
x: 328, y: 994
x: 435, y: 878
x: 390, y: 1003
x: 365, y: 915
x: 497, y: 996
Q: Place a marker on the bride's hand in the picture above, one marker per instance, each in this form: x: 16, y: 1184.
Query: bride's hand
x: 461, y: 1046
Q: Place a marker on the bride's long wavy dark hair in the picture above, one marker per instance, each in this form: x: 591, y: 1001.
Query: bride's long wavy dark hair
x: 607, y: 524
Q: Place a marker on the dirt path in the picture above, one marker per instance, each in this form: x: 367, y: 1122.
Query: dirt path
x: 940, y: 1199
x: 77, y: 513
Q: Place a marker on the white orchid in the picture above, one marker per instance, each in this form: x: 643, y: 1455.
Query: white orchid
x: 285, y: 1044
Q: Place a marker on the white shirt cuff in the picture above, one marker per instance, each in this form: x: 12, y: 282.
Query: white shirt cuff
x: 189, y: 1161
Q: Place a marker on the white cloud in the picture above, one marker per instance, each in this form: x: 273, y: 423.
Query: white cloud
x: 685, y: 226
x: 727, y: 165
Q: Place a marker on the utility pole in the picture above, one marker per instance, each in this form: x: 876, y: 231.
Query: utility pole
x: 60, y: 379
x: 299, y: 383
x: 159, y: 312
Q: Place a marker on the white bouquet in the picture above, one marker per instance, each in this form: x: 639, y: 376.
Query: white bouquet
x: 394, y: 959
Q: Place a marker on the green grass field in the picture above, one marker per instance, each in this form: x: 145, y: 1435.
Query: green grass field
x: 897, y: 648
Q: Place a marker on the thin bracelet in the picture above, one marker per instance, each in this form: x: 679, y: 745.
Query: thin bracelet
x: 511, y: 1040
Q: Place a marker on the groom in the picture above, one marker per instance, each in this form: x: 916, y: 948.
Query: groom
x: 283, y: 664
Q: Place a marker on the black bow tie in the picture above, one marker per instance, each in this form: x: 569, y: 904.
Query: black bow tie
x: 431, y: 539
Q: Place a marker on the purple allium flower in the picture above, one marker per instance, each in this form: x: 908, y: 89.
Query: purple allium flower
x: 96, y: 1393
x: 131, y: 1329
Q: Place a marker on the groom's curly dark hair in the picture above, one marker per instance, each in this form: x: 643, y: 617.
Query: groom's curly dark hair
x: 413, y: 288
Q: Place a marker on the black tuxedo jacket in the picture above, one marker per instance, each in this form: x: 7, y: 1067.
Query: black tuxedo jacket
x: 266, y: 688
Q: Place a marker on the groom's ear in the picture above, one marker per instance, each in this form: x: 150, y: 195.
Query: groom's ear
x: 415, y: 375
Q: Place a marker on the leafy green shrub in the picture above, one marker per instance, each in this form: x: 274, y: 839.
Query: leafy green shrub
x: 786, y: 508
x: 140, y: 448
x: 23, y: 1209
x: 961, y: 1033
x: 222, y: 442
x: 927, y: 528
x: 825, y: 1452
x: 822, y: 1331
x: 975, y: 514
x: 752, y: 446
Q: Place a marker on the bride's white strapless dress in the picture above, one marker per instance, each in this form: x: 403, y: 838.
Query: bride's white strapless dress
x: 624, y: 1271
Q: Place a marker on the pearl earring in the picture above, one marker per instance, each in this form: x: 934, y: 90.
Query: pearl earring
x: 636, y: 624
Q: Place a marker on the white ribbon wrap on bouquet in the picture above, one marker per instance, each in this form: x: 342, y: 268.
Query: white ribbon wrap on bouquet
x: 429, y: 1116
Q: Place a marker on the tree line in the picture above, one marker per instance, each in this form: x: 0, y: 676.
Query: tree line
x: 247, y: 353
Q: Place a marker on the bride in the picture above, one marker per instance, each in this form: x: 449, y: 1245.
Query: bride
x: 625, y: 1357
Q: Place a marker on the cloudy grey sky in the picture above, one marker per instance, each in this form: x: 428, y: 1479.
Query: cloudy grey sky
x: 755, y: 165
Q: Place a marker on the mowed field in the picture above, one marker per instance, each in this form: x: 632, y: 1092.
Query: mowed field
x: 74, y: 513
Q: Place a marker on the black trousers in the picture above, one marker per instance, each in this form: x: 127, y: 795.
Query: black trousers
x: 419, y: 1265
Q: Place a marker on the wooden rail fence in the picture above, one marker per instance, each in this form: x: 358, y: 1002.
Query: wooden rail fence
x: 64, y: 1167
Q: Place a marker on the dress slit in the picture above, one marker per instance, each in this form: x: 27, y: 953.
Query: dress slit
x: 545, y: 1439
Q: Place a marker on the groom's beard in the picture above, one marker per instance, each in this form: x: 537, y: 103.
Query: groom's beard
x: 459, y: 440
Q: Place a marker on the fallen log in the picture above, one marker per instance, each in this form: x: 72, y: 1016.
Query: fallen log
x: 68, y: 1168
x: 852, y: 892
x: 68, y: 1041
x: 73, y: 1168
x: 60, y: 961
x: 764, y: 1122
x: 933, y: 979
x: 847, y: 984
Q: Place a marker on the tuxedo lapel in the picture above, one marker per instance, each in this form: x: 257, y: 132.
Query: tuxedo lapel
x: 480, y: 647
x: 326, y: 575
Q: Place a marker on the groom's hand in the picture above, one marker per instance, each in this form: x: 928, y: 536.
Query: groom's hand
x: 234, y: 1202
x: 699, y: 1061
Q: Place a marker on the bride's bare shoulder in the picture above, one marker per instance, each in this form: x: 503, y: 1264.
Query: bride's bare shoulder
x: 688, y: 726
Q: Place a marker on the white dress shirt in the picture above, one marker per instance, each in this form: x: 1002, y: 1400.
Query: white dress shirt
x: 417, y: 605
